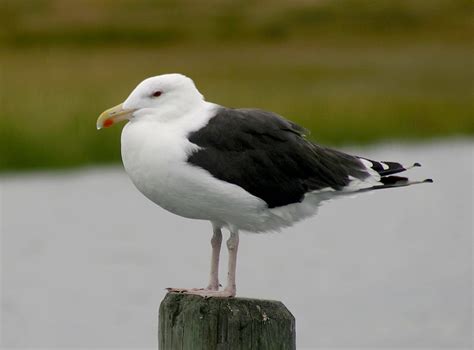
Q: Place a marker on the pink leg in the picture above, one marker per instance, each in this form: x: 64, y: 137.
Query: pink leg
x: 213, y: 285
x: 230, y: 289
x: 232, y: 246
x: 216, y: 242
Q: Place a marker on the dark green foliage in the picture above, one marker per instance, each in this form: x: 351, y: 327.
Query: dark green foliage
x: 349, y: 71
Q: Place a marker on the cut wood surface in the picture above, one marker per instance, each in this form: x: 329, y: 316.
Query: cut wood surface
x: 193, y: 322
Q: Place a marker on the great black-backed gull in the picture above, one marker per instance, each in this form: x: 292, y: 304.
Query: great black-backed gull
x: 241, y: 169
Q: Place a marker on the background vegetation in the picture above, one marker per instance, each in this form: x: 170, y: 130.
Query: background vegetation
x: 348, y: 70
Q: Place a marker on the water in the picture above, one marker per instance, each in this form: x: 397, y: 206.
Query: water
x: 85, y: 260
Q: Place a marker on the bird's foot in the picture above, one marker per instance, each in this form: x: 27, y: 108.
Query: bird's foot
x: 182, y: 290
x: 204, y: 292
x: 211, y: 287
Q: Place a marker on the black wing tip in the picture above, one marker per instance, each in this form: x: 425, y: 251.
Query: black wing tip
x: 417, y: 165
x: 428, y: 181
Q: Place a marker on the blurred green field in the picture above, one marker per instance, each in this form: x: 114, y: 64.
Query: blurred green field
x: 350, y: 71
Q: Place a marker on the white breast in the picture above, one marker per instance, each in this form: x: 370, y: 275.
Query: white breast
x: 154, y: 154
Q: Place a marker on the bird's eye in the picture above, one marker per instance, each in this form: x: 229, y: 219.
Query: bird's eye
x: 157, y: 94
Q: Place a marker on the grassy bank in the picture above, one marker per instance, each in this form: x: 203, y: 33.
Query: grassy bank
x: 409, y: 81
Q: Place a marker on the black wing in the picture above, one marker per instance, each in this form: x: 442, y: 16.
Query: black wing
x: 269, y: 157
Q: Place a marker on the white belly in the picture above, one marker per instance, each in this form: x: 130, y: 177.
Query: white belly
x: 155, y: 156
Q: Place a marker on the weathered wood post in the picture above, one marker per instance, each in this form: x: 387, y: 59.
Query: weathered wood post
x: 190, y: 322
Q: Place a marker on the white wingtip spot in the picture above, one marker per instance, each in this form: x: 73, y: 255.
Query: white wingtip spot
x: 367, y: 163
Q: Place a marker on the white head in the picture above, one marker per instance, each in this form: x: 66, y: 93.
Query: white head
x: 161, y: 96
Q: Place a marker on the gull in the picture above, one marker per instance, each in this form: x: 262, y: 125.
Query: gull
x: 241, y: 169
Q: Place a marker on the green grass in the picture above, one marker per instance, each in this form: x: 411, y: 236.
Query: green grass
x: 349, y: 73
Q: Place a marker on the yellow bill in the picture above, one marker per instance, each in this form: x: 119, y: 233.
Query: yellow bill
x: 113, y: 115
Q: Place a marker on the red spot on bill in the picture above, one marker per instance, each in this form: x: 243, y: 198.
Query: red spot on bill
x: 108, y: 122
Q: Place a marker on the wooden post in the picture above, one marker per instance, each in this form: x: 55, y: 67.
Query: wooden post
x: 190, y: 322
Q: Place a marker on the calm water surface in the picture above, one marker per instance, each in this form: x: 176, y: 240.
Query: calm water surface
x: 85, y: 259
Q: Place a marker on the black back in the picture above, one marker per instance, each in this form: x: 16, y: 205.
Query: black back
x: 269, y: 157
